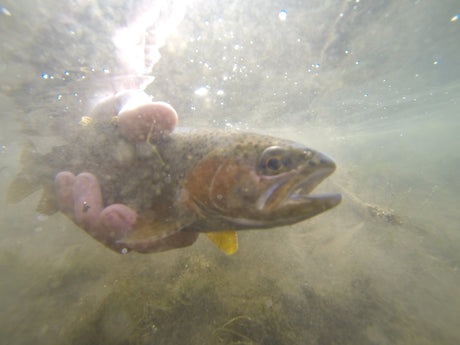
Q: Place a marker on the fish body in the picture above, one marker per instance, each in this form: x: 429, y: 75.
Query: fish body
x: 207, y: 181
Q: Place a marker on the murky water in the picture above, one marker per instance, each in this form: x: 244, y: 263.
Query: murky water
x: 374, y: 84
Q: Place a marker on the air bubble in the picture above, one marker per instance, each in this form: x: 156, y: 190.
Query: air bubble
x: 282, y: 15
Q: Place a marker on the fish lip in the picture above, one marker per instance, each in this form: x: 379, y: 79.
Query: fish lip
x: 308, y: 184
x: 329, y: 200
x: 300, y: 192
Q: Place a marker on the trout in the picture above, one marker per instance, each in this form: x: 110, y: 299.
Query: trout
x: 207, y: 181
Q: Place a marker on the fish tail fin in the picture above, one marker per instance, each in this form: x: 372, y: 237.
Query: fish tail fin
x: 20, y: 188
x: 24, y: 183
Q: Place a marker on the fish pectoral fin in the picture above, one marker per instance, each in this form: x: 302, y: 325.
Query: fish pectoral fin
x: 226, y: 241
x: 150, y: 230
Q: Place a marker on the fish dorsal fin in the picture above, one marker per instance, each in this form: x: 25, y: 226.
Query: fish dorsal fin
x: 226, y: 241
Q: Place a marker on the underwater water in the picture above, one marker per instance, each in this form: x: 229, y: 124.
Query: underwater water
x: 375, y: 84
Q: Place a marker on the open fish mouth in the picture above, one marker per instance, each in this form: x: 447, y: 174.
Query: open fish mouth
x: 289, y: 200
x: 300, y: 192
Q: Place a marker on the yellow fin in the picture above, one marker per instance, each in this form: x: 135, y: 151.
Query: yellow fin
x: 227, y: 241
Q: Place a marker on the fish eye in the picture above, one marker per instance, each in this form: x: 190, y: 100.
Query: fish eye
x: 274, y: 163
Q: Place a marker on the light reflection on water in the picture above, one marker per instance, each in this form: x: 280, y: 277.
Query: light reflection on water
x: 374, y: 85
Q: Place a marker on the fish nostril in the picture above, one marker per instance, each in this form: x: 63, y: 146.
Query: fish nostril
x: 311, y: 163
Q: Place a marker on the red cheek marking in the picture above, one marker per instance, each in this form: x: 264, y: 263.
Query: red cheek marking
x: 197, y: 183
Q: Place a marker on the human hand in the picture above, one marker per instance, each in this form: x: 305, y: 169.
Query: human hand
x: 80, y: 197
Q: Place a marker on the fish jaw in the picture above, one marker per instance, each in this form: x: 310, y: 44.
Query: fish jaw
x: 299, y: 204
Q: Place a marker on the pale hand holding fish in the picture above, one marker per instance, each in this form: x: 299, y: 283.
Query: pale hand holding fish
x: 164, y: 188
x: 80, y: 197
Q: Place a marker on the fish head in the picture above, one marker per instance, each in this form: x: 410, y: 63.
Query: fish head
x: 260, y: 184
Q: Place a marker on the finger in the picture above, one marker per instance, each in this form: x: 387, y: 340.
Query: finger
x: 110, y: 106
x: 106, y: 109
x: 116, y: 220
x: 88, y: 204
x: 179, y: 240
x: 63, y: 183
x: 147, y: 120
